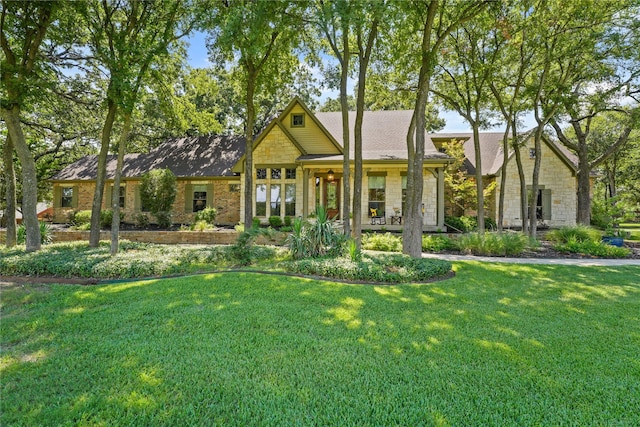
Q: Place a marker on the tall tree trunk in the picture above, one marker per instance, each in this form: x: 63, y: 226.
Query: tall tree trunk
x: 584, y: 187
x: 503, y: 175
x: 412, y: 232
x: 248, y: 160
x: 533, y: 217
x: 524, y: 207
x: 344, y: 107
x: 29, y: 178
x: 101, y: 175
x: 479, y: 183
x: 115, y: 195
x: 10, y: 179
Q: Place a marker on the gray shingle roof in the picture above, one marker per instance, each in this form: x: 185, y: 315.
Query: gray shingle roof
x: 203, y: 156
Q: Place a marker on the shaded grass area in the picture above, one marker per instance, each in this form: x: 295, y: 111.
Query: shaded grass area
x: 496, y: 345
x: 632, y: 229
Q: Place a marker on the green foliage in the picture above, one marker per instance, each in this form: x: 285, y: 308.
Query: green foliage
x: 106, y: 218
x: 255, y: 222
x: 387, y: 268
x: 467, y: 224
x: 201, y: 226
x: 355, y: 254
x: 79, y: 218
x: 287, y: 221
x: 437, y: 243
x: 142, y: 220
x: 578, y: 233
x: 275, y: 221
x: 493, y: 244
x: 592, y: 248
x: 164, y: 219
x: 315, y: 238
x: 46, y: 236
x: 158, y: 192
x: 207, y: 215
x: 607, y: 213
x: 386, y: 242
x: 243, y: 251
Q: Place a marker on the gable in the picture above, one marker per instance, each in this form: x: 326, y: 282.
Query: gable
x: 311, y: 136
x: 276, y: 147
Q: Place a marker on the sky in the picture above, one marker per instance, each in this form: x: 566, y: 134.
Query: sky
x: 197, y: 58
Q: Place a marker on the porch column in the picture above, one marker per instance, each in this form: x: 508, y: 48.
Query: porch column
x: 440, y: 216
x: 305, y: 193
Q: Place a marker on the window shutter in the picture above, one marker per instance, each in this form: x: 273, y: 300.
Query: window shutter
x: 109, y: 195
x: 57, y: 196
x: 210, y: 195
x: 546, y: 204
x: 74, y: 197
x: 188, y: 198
x: 137, y: 205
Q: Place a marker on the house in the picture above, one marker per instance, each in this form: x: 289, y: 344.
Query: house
x: 298, y: 166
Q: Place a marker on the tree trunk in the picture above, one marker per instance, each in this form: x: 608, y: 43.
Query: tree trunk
x: 248, y: 160
x: 479, y: 183
x: 101, y: 175
x: 524, y: 207
x: 115, y: 195
x: 533, y: 217
x: 29, y: 178
x: 503, y: 175
x: 344, y: 107
x: 584, y: 188
x: 10, y: 179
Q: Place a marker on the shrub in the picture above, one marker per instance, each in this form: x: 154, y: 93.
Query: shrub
x: 255, y: 222
x: 493, y: 244
x: 297, y: 240
x: 287, y: 221
x: 314, y: 239
x: 386, y: 242
x: 388, y: 268
x: 158, y: 190
x: 79, y: 218
x: 355, y: 254
x: 275, y: 221
x: 593, y: 248
x: 437, y: 243
x: 164, y: 219
x: 207, y: 215
x: 201, y: 226
x: 467, y: 224
x: 46, y: 235
x: 142, y: 220
x: 579, y: 233
x: 106, y: 218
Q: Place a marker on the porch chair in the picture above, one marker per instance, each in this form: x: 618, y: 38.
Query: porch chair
x: 375, y: 218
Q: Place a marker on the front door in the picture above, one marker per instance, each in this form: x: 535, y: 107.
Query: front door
x: 332, y: 198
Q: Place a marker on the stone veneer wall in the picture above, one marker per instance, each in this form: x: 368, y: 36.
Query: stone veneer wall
x: 554, y: 175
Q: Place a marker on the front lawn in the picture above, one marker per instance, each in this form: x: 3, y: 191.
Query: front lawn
x: 496, y: 345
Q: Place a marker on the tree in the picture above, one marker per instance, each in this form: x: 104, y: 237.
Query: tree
x: 23, y: 27
x: 127, y: 40
x: 260, y: 37
x: 463, y: 84
x: 434, y: 20
x: 157, y: 194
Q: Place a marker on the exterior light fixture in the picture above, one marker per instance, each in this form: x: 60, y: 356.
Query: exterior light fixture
x: 330, y: 175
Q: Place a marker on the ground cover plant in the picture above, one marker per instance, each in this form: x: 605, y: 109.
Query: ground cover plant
x: 585, y: 240
x: 496, y: 345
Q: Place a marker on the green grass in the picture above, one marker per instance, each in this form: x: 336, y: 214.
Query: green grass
x: 496, y: 345
x: 633, y: 229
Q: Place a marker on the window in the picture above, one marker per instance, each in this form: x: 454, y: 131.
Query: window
x: 543, y: 204
x: 66, y: 200
x: 297, y: 120
x: 109, y: 196
x: 377, y: 194
x: 261, y: 173
x: 276, y: 173
x: 404, y: 194
x: 532, y: 153
x: 261, y: 199
x: 290, y: 199
x: 234, y: 188
x: 276, y: 189
x: 199, y: 197
x: 290, y: 173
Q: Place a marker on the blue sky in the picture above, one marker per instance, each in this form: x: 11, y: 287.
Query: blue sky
x: 197, y: 58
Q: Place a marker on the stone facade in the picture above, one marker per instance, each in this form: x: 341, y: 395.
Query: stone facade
x: 555, y: 175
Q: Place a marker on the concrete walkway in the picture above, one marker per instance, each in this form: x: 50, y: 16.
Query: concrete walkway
x: 547, y: 261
